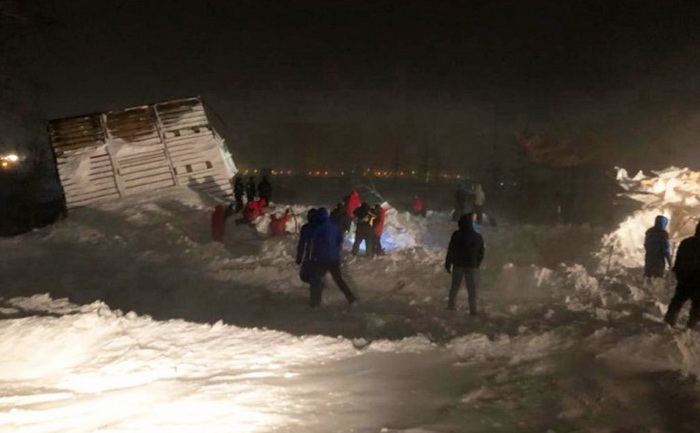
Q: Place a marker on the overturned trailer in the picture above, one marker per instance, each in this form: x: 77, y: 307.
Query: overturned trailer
x: 107, y: 156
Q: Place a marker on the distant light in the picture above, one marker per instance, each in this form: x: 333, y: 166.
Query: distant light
x: 8, y: 160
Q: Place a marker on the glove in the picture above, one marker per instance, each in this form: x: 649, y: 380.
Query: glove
x: 448, y: 268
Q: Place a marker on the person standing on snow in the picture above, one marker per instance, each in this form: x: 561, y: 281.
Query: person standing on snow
x: 461, y: 196
x: 250, y: 189
x: 352, y: 202
x: 464, y: 256
x: 265, y: 189
x: 378, y: 228
x: 303, y: 258
x: 687, y: 269
x: 218, y: 222
x: 238, y: 191
x: 338, y: 216
x: 363, y: 230
x: 326, y: 243
x: 657, y: 249
x: 478, y: 203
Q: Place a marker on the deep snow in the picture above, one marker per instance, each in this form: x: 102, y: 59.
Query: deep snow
x: 126, y: 318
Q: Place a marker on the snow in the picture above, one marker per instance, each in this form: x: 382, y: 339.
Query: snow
x: 125, y: 317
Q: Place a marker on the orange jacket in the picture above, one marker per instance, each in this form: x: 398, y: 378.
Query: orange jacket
x: 379, y: 221
x: 278, y: 224
x: 254, y: 209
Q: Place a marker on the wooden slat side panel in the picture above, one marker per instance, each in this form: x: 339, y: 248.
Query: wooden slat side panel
x: 78, y: 133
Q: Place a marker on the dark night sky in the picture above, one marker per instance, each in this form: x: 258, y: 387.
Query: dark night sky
x: 356, y: 80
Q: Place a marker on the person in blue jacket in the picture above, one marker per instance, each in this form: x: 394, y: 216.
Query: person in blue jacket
x: 657, y: 249
x: 326, y: 243
x: 464, y: 256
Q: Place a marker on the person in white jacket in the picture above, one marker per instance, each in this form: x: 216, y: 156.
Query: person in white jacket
x: 479, y: 200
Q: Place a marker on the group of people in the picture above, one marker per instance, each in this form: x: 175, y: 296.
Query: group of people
x: 686, y: 267
x: 321, y: 240
x: 369, y: 223
x: 257, y: 198
x: 251, y: 191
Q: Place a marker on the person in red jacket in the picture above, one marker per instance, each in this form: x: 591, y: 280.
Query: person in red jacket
x: 418, y: 207
x: 352, y: 202
x: 253, y: 209
x: 278, y: 224
x: 218, y: 223
x: 379, y: 219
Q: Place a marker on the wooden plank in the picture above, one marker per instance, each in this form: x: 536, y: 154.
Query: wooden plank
x: 147, y: 177
x: 80, y: 190
x: 137, y: 152
x: 76, y: 146
x: 79, y: 201
x: 143, y: 187
x: 91, y: 194
x: 176, y: 126
x: 78, y: 133
x: 62, y: 141
x: 193, y: 116
x: 141, y: 159
x: 137, y: 168
x: 92, y: 124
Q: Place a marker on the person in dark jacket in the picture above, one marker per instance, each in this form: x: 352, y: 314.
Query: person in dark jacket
x: 250, y: 191
x: 238, y: 191
x: 657, y: 249
x: 338, y: 216
x: 464, y: 256
x: 364, y: 231
x: 304, y: 246
x: 461, y: 197
x: 326, y: 242
x: 687, y: 269
x: 265, y: 189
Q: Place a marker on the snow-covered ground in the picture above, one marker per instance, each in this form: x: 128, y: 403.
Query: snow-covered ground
x: 125, y: 317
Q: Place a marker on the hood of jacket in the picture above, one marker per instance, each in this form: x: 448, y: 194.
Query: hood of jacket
x: 466, y: 222
x: 661, y: 222
x: 320, y: 216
